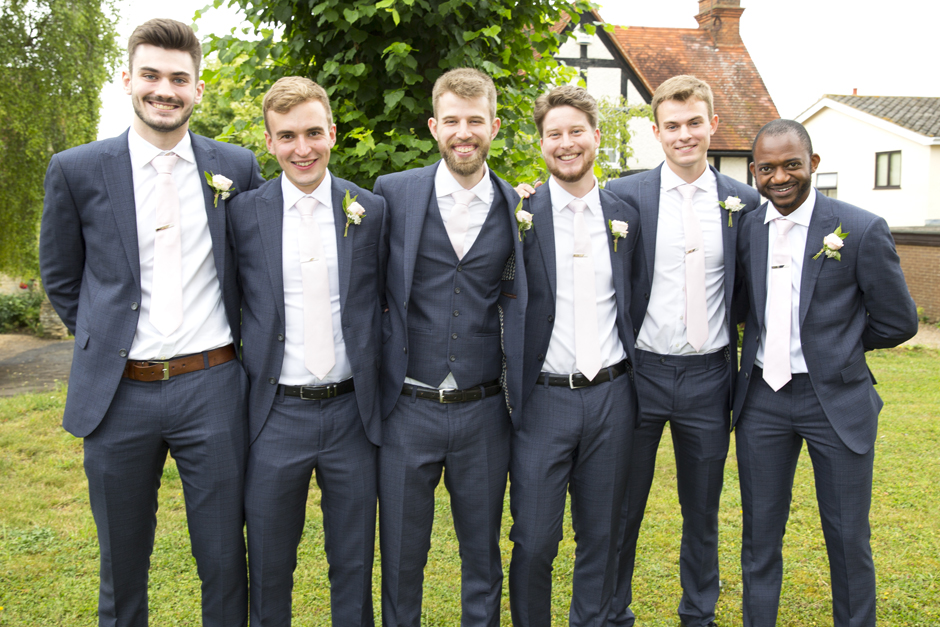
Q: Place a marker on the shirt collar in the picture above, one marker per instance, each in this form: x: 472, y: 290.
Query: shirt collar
x: 143, y: 152
x: 561, y: 197
x: 669, y: 180
x: 322, y: 194
x: 802, y: 215
x: 445, y: 184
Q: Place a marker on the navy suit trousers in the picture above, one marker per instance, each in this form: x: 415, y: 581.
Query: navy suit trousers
x: 768, y: 438
x: 200, y: 417
x: 298, y: 437
x: 577, y: 440
x: 690, y: 393
x: 470, y: 443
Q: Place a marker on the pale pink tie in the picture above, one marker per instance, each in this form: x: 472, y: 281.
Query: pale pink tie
x: 166, y: 295
x: 586, y: 339
x: 319, y: 350
x: 696, y: 310
x: 459, y: 220
x: 777, y: 348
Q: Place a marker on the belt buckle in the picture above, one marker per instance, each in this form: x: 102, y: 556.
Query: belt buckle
x: 303, y: 388
x: 576, y: 387
x: 442, y: 399
x: 166, y: 368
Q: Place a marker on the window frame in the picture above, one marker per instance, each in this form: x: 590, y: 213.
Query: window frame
x: 889, y: 153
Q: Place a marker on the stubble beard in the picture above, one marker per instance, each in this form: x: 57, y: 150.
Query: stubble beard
x: 575, y: 177
x: 159, y: 125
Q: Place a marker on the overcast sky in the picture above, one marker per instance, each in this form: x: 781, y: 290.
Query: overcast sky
x: 802, y: 48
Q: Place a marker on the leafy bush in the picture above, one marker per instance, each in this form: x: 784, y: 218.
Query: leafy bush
x: 20, y: 311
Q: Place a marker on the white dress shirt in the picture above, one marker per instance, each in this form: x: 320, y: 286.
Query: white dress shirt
x: 204, y: 325
x: 797, y: 239
x: 560, y: 357
x: 293, y: 370
x: 479, y: 208
x: 663, y: 330
x: 445, y: 184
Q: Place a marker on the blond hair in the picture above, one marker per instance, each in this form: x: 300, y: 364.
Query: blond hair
x: 566, y: 96
x: 290, y: 91
x: 467, y: 83
x: 683, y: 88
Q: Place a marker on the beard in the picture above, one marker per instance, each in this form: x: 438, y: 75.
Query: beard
x: 464, y: 167
x: 802, y: 193
x: 158, y: 124
x: 571, y: 177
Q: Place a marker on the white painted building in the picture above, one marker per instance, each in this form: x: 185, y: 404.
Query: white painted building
x: 881, y: 153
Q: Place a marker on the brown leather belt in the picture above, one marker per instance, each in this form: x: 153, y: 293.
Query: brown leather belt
x: 163, y: 370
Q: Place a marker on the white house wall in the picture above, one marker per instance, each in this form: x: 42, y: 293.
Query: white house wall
x: 735, y: 167
x: 847, y: 146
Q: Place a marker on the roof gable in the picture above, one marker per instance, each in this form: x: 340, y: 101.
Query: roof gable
x: 921, y: 115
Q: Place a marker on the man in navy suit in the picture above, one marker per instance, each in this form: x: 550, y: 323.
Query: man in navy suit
x: 574, y: 427
x: 303, y: 415
x: 686, y: 341
x: 452, y: 232
x: 154, y: 373
x: 803, y: 371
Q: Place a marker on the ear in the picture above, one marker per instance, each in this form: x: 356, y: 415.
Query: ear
x: 200, y: 90
x: 269, y: 142
x: 496, y: 125
x: 814, y: 162
x: 752, y: 168
x: 432, y: 126
x: 713, y: 124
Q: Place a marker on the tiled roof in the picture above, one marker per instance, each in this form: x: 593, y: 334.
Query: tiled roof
x: 921, y: 115
x: 742, y: 102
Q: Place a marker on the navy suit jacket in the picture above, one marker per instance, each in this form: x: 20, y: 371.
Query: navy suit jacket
x: 642, y: 191
x: 408, y: 195
x: 90, y: 263
x: 846, y: 308
x: 256, y: 222
x: 541, y: 275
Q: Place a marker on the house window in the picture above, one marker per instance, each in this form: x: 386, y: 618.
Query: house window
x: 827, y: 183
x: 888, y: 170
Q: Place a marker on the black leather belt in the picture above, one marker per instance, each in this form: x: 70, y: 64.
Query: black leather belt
x: 317, y: 392
x: 484, y: 390
x: 578, y: 380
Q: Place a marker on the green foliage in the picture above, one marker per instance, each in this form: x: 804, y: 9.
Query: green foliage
x: 20, y: 311
x: 56, y: 56
x: 614, y: 122
x: 378, y: 62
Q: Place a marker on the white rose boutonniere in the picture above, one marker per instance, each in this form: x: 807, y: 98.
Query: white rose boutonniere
x: 221, y: 185
x: 832, y: 243
x: 353, y: 210
x: 733, y: 204
x: 618, y: 228
x: 523, y: 220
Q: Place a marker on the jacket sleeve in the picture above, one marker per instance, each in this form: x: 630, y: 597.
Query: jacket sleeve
x: 61, y: 246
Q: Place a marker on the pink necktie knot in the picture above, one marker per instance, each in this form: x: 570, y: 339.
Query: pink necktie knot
x: 577, y: 205
x: 164, y: 164
x: 306, y: 206
x: 687, y: 191
x: 463, y: 197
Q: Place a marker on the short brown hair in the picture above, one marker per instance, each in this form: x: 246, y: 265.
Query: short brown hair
x: 167, y: 34
x: 467, y: 83
x: 682, y: 88
x: 566, y: 96
x: 290, y: 91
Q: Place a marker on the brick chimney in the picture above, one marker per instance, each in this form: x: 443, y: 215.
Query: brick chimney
x: 722, y: 18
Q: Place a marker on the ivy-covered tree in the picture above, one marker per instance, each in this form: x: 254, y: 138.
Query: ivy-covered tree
x: 379, y: 60
x: 55, y: 56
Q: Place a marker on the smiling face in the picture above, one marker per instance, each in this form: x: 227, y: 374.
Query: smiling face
x: 163, y: 87
x: 569, y: 146
x: 685, y: 130
x: 301, y: 140
x: 463, y: 130
x: 783, y: 170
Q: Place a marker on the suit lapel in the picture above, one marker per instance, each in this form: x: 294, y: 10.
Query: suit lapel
x: 649, y: 218
x: 207, y: 161
x: 423, y: 193
x: 344, y: 245
x: 119, y: 183
x: 543, y: 229
x: 616, y: 268
x: 729, y: 236
x: 269, y: 206
x: 758, y: 263
x: 820, y: 225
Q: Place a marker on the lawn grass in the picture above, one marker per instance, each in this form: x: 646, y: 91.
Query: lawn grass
x: 48, y: 550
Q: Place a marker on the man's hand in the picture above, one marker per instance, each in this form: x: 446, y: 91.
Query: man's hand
x: 525, y: 190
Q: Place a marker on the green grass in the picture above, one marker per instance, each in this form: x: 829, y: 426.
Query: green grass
x: 49, y: 554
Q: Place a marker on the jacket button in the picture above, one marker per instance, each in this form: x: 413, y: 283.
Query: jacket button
x: 747, y: 375
x: 280, y: 337
x: 459, y: 268
x: 646, y: 296
x: 551, y: 318
x: 405, y: 304
x: 405, y: 349
x: 134, y: 306
x: 456, y: 313
x: 272, y: 380
x: 456, y: 290
x: 453, y: 358
x: 453, y: 336
x: 540, y: 357
x: 122, y: 353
